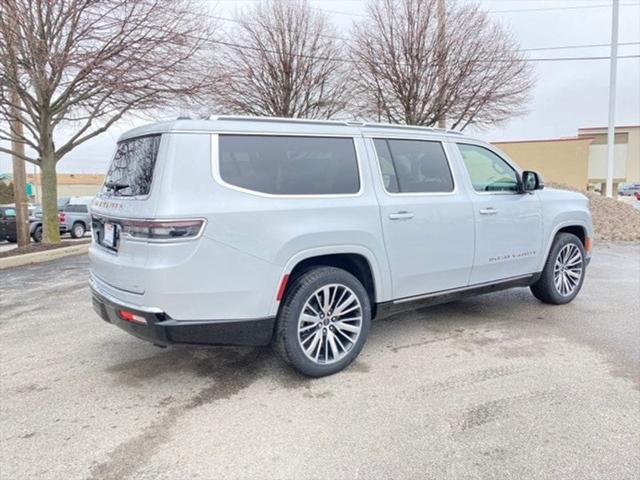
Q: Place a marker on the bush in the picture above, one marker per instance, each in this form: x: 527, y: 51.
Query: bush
x: 6, y: 193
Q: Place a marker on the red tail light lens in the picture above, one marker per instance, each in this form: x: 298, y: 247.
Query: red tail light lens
x: 161, y: 230
x: 62, y: 216
x: 131, y: 317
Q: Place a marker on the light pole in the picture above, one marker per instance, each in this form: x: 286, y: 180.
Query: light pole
x: 612, y: 99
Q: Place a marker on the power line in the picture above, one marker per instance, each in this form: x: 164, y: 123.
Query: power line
x: 568, y: 7
x: 533, y: 49
x: 515, y: 10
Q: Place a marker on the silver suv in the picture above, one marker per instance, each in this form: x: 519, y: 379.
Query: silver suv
x: 250, y: 231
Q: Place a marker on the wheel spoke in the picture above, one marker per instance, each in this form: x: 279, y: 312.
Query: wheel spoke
x: 309, y: 318
x: 347, y: 327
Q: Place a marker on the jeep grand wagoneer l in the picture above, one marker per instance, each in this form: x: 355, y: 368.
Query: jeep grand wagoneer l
x: 250, y: 231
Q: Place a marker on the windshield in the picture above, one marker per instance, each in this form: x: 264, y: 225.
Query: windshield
x: 131, y: 170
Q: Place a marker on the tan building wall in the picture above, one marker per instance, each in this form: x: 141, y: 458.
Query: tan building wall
x: 70, y: 185
x: 626, y: 153
x: 564, y: 161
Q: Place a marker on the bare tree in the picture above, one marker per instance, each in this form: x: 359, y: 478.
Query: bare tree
x: 87, y: 63
x: 282, y: 60
x: 413, y: 69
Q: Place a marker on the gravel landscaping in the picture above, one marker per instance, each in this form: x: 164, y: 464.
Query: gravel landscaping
x: 613, y: 220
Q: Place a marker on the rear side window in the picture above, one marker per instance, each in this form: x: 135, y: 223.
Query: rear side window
x: 131, y: 170
x: 9, y: 212
x: 289, y: 165
x: 76, y: 208
x: 414, y: 166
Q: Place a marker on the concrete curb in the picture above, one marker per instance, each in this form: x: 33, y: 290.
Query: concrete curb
x: 39, y: 257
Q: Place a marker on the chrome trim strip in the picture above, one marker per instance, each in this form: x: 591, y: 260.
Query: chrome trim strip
x: 461, y: 289
x: 96, y: 288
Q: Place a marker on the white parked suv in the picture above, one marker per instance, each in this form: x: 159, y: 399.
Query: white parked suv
x: 250, y: 231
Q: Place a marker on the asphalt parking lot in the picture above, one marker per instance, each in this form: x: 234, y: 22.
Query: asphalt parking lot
x: 498, y: 386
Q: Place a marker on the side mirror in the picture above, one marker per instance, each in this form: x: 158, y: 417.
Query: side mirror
x: 531, y: 181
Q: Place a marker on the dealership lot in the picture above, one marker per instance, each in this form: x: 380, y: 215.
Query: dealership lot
x: 499, y: 386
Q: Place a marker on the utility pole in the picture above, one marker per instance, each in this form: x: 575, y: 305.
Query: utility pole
x: 19, y: 175
x: 441, y: 15
x: 612, y: 99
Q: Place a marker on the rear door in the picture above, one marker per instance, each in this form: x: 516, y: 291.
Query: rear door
x: 508, y: 223
x: 427, y: 220
x: 130, y: 191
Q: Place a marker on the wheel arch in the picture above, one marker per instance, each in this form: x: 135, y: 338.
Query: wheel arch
x: 358, y: 261
x: 577, y: 228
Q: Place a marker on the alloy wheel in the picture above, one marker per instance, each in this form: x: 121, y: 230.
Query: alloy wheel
x: 567, y: 270
x: 330, y: 323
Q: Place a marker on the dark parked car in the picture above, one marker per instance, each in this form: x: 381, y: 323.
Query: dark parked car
x: 8, y: 223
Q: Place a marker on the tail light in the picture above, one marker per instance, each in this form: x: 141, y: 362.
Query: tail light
x: 131, y: 317
x: 62, y: 217
x: 162, y: 230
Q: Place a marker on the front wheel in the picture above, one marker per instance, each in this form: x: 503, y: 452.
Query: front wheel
x: 323, y: 322
x: 563, y: 274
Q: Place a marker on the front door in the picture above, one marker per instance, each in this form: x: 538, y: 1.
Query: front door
x: 508, y: 223
x: 427, y: 222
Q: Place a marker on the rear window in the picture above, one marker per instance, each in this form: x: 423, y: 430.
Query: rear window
x: 131, y: 170
x: 76, y: 208
x: 288, y: 165
x: 413, y: 166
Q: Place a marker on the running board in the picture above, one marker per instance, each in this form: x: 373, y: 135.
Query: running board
x: 444, y: 296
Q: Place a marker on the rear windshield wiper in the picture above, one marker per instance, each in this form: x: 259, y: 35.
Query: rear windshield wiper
x: 115, y: 186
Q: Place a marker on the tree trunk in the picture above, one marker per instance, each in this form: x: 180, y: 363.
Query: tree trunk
x: 50, y: 222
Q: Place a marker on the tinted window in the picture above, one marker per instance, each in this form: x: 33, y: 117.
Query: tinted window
x: 414, y: 166
x: 9, y: 212
x: 131, y: 170
x: 76, y: 208
x: 389, y: 176
x: 289, y: 165
x: 488, y: 172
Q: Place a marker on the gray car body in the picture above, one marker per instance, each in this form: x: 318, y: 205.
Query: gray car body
x: 251, y: 240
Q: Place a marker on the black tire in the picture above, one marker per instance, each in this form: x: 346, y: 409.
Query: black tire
x: 12, y: 240
x: 78, y: 230
x: 301, y: 289
x: 545, y: 288
x: 37, y: 234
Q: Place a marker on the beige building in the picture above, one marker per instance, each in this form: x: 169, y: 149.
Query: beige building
x: 69, y: 184
x: 626, y: 155
x: 559, y: 160
x: 581, y: 161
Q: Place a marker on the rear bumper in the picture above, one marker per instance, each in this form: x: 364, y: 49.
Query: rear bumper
x: 160, y: 329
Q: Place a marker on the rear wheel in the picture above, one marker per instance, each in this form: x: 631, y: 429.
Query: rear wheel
x: 37, y: 234
x: 563, y: 273
x: 77, y: 231
x: 323, y: 322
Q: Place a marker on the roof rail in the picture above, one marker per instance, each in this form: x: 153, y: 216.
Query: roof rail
x: 411, y: 127
x: 344, y: 123
x: 244, y: 118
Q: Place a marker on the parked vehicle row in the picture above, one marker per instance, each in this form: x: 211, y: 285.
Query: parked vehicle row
x: 297, y: 233
x: 73, y: 218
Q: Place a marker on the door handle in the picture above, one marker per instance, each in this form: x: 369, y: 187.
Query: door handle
x: 401, y: 215
x: 488, y: 211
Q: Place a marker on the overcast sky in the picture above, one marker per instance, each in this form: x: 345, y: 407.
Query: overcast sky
x: 568, y: 94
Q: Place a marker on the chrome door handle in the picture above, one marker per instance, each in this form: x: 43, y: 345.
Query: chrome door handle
x: 488, y: 211
x: 401, y: 215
